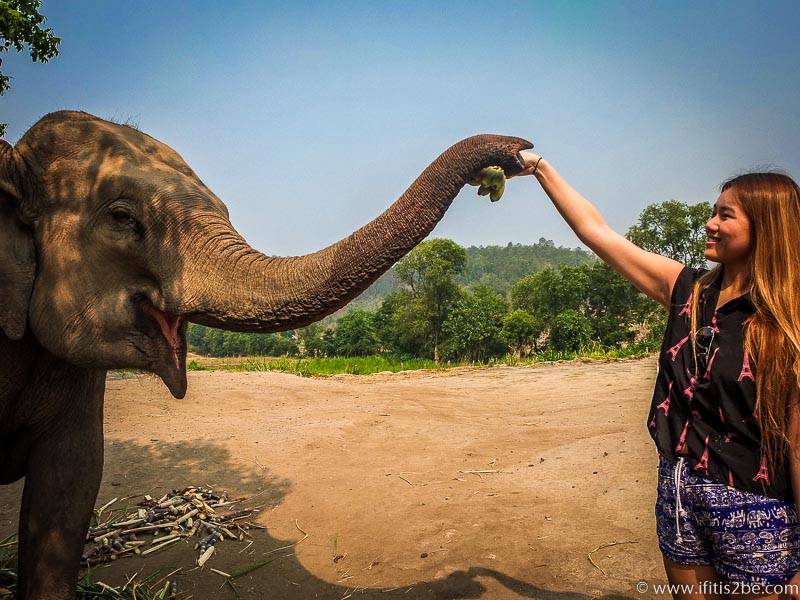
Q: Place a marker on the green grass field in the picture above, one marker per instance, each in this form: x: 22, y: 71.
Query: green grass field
x: 322, y: 367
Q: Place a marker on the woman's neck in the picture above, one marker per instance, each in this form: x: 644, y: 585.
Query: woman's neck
x: 735, y: 282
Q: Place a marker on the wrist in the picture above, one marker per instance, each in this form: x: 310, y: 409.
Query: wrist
x: 540, y: 166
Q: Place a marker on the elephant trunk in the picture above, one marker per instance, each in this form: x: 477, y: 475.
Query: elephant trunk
x: 233, y: 287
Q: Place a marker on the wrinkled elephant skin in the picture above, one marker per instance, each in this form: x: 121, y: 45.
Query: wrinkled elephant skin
x: 109, y: 245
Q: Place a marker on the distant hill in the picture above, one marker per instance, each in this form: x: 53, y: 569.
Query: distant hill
x: 499, y: 267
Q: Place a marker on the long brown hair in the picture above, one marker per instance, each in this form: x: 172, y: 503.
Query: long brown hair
x: 771, y: 202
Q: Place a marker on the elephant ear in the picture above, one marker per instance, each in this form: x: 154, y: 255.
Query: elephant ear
x: 17, y: 252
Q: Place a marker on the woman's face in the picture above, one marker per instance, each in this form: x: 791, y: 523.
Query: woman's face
x: 728, y: 236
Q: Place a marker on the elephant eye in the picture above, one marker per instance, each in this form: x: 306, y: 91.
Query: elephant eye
x: 121, y: 215
x: 124, y: 219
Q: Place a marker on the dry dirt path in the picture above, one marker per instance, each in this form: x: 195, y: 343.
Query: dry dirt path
x: 491, y: 483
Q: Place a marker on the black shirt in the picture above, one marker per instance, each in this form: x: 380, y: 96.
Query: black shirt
x: 712, y: 413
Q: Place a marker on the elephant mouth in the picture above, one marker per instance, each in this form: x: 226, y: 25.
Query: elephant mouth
x: 169, y: 325
x: 169, y: 363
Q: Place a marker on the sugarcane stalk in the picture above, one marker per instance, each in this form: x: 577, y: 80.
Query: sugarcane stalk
x: 235, y: 516
x: 153, y: 527
x: 187, y: 516
x: 205, y: 556
x: 170, y: 502
x: 169, y: 536
x: 128, y: 523
x: 160, y: 546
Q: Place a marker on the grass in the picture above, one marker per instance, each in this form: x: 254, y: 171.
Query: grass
x: 322, y: 367
x: 315, y: 367
x: 638, y: 350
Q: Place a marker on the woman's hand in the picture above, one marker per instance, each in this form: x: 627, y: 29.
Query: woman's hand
x: 530, y: 160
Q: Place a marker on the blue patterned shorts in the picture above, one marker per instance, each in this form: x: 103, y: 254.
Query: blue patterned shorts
x: 745, y: 537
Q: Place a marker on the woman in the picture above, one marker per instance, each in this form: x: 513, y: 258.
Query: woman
x: 729, y: 441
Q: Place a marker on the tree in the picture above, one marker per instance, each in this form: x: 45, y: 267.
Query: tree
x: 613, y: 305
x: 214, y: 341
x: 271, y: 344
x: 329, y: 342
x: 355, y: 334
x: 21, y: 25
x: 310, y: 337
x: 402, y: 324
x: 384, y: 321
x: 475, y: 324
x: 550, y: 292
x: 673, y: 229
x: 521, y: 330
x: 570, y: 331
x: 235, y: 343
x: 429, y: 270
x: 195, y: 338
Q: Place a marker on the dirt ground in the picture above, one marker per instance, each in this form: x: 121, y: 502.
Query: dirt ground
x: 509, y: 482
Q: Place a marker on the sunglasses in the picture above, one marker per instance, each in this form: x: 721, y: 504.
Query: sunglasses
x: 703, y: 338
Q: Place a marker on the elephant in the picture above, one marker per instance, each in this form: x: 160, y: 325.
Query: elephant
x: 109, y: 245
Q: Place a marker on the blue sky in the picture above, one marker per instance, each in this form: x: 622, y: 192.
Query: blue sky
x: 308, y: 119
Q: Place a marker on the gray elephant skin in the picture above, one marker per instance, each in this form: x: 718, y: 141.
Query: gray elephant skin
x: 109, y: 245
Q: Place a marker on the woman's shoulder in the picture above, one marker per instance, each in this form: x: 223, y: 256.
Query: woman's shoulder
x: 684, y: 285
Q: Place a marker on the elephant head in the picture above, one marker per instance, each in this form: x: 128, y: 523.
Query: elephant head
x: 109, y: 244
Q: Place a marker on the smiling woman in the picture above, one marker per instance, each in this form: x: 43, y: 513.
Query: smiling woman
x: 728, y: 235
x: 753, y: 233
x: 728, y: 433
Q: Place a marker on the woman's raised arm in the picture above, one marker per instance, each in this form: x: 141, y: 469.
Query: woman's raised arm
x: 652, y: 274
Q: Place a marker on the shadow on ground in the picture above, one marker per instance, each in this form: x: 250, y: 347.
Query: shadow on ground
x: 133, y: 470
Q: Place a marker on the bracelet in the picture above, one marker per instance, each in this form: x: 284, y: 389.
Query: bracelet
x: 536, y: 166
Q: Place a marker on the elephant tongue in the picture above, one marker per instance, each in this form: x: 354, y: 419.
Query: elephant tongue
x: 169, y: 329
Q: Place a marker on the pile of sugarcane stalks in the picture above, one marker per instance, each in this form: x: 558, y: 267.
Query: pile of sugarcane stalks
x: 142, y: 529
x: 153, y: 525
x: 148, y: 588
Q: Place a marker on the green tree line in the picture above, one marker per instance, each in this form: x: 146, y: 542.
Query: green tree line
x: 451, y: 303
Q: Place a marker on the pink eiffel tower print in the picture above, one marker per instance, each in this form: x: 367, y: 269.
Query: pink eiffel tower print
x: 763, y: 472
x: 689, y: 392
x: 665, y: 403
x: 747, y: 372
x: 707, y: 374
x: 682, y: 441
x: 687, y: 307
x: 730, y: 478
x: 677, y: 348
x: 703, y: 464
